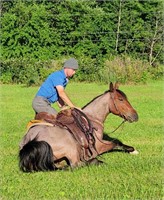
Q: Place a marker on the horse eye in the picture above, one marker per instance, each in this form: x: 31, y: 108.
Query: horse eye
x: 121, y: 99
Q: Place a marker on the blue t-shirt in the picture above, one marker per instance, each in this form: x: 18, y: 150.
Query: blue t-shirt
x: 48, y: 88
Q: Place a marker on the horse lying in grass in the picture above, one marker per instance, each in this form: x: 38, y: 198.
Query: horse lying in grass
x: 46, y: 145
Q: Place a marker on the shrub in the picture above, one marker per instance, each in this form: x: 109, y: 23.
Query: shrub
x: 6, y: 77
x: 88, y: 69
x: 122, y: 69
x: 156, y: 72
x: 125, y: 69
x: 26, y: 71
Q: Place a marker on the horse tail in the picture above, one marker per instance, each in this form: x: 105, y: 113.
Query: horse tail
x: 36, y: 156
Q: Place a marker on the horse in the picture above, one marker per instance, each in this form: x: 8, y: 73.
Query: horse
x: 44, y: 146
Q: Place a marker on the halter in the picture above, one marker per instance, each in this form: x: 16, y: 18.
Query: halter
x: 114, y: 104
x: 118, y: 125
x: 101, y: 124
x: 119, y: 115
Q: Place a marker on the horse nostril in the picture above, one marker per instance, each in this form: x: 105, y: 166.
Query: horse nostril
x: 136, y: 117
x: 132, y: 118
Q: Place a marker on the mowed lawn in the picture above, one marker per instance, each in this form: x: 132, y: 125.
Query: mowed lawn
x: 121, y: 177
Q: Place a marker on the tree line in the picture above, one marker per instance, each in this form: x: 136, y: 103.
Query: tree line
x: 96, y: 30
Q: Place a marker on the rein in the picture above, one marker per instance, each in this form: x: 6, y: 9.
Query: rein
x: 118, y: 126
x: 110, y: 133
x: 101, y: 124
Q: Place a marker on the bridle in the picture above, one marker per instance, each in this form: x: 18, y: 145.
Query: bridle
x: 118, y: 114
x: 111, y: 96
x: 117, y: 126
x: 109, y: 111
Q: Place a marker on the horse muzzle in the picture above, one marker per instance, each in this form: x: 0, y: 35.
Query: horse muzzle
x: 131, y: 118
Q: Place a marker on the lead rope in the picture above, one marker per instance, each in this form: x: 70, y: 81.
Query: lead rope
x: 110, y: 133
x: 118, y: 126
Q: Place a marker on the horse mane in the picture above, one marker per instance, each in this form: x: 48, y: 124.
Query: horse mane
x: 93, y: 100
x: 119, y: 91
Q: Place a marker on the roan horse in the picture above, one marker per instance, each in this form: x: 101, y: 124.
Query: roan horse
x: 44, y: 146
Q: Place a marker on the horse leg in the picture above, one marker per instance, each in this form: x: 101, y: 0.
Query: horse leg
x: 129, y: 149
x: 94, y: 161
x: 125, y: 148
x: 75, y: 162
x: 103, y: 146
x: 74, y: 158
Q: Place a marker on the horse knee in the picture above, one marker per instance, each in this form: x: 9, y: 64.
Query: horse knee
x: 94, y: 161
x: 77, y: 164
x: 105, y: 146
x: 74, y: 161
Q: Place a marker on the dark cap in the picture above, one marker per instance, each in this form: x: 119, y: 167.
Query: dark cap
x: 71, y: 63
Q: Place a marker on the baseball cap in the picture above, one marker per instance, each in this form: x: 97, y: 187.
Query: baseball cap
x: 71, y: 64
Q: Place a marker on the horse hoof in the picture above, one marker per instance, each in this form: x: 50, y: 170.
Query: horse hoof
x: 135, y: 152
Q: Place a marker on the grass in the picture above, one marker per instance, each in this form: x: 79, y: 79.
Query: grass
x: 122, y: 177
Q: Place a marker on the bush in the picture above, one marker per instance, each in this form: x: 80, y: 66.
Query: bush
x: 26, y: 71
x: 6, y: 78
x: 121, y: 69
x: 88, y: 69
x: 156, y: 72
x: 125, y: 69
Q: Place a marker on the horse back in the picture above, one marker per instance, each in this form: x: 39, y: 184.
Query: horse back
x: 60, y: 140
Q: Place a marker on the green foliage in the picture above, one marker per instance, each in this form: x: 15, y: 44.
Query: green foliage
x: 125, y: 69
x: 26, y: 32
x: 20, y: 71
x: 6, y: 77
x: 47, y: 29
x: 27, y: 71
x: 88, y: 70
x: 92, y: 31
x: 122, y: 69
x: 157, y: 72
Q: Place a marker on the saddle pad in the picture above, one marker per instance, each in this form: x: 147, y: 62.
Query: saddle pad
x: 34, y: 122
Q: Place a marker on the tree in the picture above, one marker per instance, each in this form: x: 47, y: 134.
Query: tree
x: 26, y: 32
x: 50, y: 29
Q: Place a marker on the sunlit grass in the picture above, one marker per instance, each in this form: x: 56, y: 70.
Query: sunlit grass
x: 122, y: 176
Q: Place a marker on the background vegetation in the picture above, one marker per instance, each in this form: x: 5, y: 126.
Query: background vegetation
x: 112, y: 40
x: 120, y: 39
x: 122, y: 177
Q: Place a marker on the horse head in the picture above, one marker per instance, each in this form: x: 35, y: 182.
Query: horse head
x: 119, y: 104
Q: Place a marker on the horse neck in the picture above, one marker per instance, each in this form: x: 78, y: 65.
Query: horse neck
x: 98, y: 109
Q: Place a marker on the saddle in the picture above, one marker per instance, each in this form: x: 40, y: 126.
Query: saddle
x: 78, y: 124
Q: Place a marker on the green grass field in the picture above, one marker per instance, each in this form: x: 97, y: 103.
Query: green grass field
x: 122, y: 177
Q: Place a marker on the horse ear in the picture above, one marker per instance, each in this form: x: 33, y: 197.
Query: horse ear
x: 116, y: 86
x: 111, y: 87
